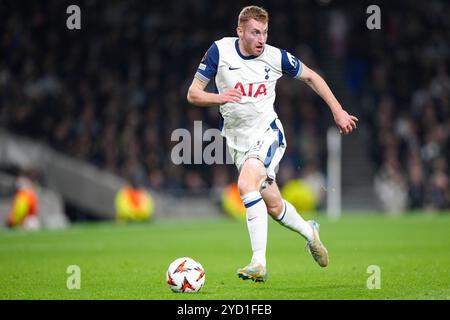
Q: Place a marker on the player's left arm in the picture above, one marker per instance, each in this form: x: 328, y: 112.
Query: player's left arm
x: 344, y: 121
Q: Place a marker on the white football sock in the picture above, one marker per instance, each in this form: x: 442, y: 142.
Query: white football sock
x: 294, y: 221
x: 257, y: 225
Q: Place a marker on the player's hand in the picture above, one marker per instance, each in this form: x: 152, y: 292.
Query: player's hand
x: 230, y: 95
x: 345, y: 122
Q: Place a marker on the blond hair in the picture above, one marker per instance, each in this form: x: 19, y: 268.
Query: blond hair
x: 253, y: 12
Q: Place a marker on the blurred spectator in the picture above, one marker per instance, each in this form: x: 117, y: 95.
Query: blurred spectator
x: 438, y: 196
x: 25, y: 206
x: 316, y: 179
x: 391, y: 189
x: 133, y: 204
x: 416, y: 192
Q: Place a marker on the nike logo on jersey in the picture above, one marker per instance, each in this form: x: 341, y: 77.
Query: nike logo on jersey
x: 231, y: 68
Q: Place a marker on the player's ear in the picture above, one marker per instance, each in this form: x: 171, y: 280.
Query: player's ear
x: 239, y: 31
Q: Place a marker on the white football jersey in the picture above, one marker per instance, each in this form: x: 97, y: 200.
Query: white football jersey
x: 256, y: 78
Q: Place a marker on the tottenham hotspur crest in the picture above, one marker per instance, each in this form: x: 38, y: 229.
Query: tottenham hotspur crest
x: 267, y: 69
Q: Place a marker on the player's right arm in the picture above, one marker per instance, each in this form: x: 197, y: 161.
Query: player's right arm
x: 198, y: 96
x: 206, y: 71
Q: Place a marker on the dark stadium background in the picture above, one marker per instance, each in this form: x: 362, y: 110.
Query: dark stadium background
x: 112, y: 93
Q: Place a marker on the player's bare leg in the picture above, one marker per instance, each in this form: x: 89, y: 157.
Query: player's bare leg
x: 283, y: 212
x: 251, y: 176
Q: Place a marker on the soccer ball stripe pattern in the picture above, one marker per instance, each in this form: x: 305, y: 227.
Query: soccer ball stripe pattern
x: 185, y: 275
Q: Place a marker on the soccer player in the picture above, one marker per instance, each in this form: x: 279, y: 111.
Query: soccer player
x: 246, y: 70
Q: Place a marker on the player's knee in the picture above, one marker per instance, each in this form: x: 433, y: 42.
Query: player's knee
x: 248, y: 183
x: 245, y: 185
x: 274, y: 207
x: 251, y: 177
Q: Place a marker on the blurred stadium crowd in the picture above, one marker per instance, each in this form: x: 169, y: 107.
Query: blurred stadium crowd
x: 405, y: 99
x: 113, y: 92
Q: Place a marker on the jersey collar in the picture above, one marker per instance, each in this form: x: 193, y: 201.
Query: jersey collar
x: 236, y: 44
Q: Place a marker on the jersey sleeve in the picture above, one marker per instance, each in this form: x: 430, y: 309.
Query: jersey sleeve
x: 290, y: 64
x: 207, y: 68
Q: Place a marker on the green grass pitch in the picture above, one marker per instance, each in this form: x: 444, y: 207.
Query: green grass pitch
x: 130, y: 261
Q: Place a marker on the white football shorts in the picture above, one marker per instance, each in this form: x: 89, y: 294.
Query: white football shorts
x: 269, y: 149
